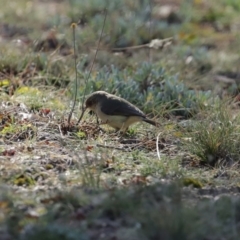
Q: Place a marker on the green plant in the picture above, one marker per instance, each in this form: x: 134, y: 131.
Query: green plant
x: 53, y: 232
x: 127, y: 21
x: 216, y: 138
x: 157, y: 90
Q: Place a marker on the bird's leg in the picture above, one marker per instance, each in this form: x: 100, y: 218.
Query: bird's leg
x: 99, y: 123
x: 123, y: 129
x: 122, y: 132
x: 102, y: 123
x: 97, y: 120
x: 91, y: 113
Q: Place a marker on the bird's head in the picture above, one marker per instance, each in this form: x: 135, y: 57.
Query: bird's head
x: 94, y: 99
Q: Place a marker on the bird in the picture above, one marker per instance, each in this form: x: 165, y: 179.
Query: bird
x: 115, y: 111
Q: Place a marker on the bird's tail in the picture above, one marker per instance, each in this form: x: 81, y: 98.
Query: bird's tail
x: 150, y: 122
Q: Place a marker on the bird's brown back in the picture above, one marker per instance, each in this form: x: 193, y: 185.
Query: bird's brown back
x: 113, y: 105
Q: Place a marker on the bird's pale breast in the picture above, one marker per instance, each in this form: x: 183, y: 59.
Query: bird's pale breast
x: 112, y: 120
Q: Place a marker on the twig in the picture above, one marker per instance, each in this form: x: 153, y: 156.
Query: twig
x: 59, y: 127
x: 73, y: 26
x: 150, y: 29
x: 132, y: 47
x: 157, y: 147
x: 125, y: 148
x: 147, y: 45
x: 90, y: 71
x: 111, y: 147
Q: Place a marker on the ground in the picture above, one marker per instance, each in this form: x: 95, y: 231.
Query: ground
x: 178, y: 61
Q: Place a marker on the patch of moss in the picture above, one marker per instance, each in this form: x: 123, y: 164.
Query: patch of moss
x: 23, y: 180
x: 192, y: 182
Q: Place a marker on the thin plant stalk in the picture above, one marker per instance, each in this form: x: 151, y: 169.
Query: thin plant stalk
x: 73, y: 26
x: 95, y: 56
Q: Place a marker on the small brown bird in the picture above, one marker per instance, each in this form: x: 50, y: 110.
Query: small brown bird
x: 115, y: 111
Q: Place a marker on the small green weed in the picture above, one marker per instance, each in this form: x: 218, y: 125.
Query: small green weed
x: 216, y: 138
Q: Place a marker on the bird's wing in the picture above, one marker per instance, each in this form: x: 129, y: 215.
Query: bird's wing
x: 123, y: 108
